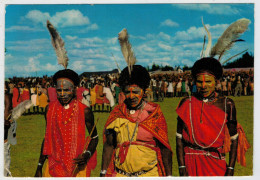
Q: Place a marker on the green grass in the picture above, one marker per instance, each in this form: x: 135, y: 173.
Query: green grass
x: 30, y: 132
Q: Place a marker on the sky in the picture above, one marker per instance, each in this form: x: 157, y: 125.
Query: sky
x: 164, y: 34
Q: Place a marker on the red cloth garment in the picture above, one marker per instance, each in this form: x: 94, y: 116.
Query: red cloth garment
x: 65, y: 137
x: 243, y: 144
x: 203, y: 130
x: 80, y: 91
x: 52, y: 94
x: 26, y: 95
x: 15, y: 99
x: 154, y: 123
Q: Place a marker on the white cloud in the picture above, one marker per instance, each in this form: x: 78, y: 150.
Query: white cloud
x: 112, y: 40
x: 78, y: 65
x: 22, y: 28
x: 50, y: 67
x: 164, y: 46
x: 145, y: 47
x: 170, y: 23
x: 187, y: 62
x: 90, y: 61
x: 38, y: 16
x: 210, y: 8
x: 77, y: 45
x: 92, y: 27
x: 71, y: 37
x: 70, y: 18
x: 60, y: 19
x: 164, y: 36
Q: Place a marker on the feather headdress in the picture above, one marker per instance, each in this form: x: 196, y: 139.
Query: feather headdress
x: 126, y: 49
x: 227, y: 39
x: 59, y: 45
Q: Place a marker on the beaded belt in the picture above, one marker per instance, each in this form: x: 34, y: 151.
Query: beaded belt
x: 135, y: 174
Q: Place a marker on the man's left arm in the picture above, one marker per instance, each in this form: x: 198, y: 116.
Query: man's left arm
x: 166, y: 158
x: 83, y: 158
x: 232, y: 128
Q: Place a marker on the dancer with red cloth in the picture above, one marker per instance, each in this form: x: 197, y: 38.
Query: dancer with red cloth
x: 64, y: 141
x: 207, y: 127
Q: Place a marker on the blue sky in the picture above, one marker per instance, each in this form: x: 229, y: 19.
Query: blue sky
x: 167, y: 34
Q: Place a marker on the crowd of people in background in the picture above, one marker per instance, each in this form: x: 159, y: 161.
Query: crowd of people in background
x: 102, y: 92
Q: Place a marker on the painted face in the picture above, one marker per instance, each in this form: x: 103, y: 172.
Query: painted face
x: 65, y: 90
x: 134, y: 95
x: 205, y: 84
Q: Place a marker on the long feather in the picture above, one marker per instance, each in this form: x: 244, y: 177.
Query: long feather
x: 20, y: 109
x: 229, y: 37
x: 202, y: 51
x: 207, y: 51
x: 59, y: 45
x: 126, y: 49
x: 233, y: 57
x: 119, y: 70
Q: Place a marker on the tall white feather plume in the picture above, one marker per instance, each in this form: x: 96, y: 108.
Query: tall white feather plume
x: 202, y: 51
x: 229, y: 37
x: 59, y: 45
x: 20, y: 109
x: 207, y: 51
x: 119, y: 70
x: 126, y: 49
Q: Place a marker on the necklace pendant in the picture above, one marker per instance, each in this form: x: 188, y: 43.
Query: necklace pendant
x: 67, y: 106
x: 132, y: 111
x: 205, y: 100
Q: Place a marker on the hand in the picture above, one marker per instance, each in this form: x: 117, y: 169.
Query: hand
x: 7, y: 124
x: 229, y: 172
x: 82, y: 160
x: 183, y: 172
x: 38, y: 172
x: 102, y: 175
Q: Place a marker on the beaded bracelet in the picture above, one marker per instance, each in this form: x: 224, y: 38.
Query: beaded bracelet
x: 39, y: 164
x: 230, y: 168
x: 103, y: 172
x: 180, y: 167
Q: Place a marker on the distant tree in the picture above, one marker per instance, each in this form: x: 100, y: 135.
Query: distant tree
x: 167, y: 68
x: 155, y: 67
x: 148, y: 68
x: 185, y: 68
x: 247, y: 60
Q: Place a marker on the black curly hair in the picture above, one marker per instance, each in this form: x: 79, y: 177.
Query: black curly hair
x: 139, y: 76
x: 67, y: 73
x: 207, y: 64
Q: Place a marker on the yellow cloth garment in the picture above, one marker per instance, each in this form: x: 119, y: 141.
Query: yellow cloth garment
x: 93, y: 96
x: 43, y: 100
x: 139, y: 157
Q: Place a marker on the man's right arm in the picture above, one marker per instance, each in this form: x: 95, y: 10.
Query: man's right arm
x: 42, y: 158
x: 180, y: 148
x: 108, y: 149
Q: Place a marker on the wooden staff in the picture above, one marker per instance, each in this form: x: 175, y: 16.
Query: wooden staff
x: 88, y: 139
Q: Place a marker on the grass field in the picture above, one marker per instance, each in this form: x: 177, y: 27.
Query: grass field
x: 30, y: 132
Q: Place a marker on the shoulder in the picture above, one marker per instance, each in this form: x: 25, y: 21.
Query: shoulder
x: 184, y: 99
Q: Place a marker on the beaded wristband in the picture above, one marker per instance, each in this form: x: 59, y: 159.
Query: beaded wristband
x: 39, y: 164
x: 230, y: 168
x: 103, y: 172
x: 87, y: 152
x: 180, y: 167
